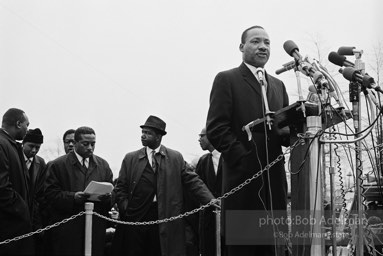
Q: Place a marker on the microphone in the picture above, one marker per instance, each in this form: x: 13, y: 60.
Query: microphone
x: 353, y: 75
x: 286, y: 67
x: 259, y: 72
x: 348, y: 50
x: 339, y: 60
x: 292, y: 49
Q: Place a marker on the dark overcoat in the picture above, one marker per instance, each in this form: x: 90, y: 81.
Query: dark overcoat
x: 66, y: 176
x: 15, y: 217
x: 173, y: 176
x: 37, y: 172
x: 236, y: 100
x: 207, y: 217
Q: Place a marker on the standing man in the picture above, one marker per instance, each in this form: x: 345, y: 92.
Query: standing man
x: 68, y: 176
x: 150, y: 187
x: 15, y: 217
x: 68, y: 140
x: 209, y: 169
x: 235, y: 100
x: 36, y: 171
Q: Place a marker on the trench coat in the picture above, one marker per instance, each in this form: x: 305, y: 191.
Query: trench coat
x: 66, y: 176
x: 236, y: 100
x: 15, y: 219
x: 173, y: 176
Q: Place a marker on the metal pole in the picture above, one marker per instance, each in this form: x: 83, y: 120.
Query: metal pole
x: 314, y: 124
x: 218, y: 232
x: 88, y: 228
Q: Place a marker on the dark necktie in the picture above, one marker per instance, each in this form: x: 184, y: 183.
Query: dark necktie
x: 154, y: 161
x: 83, y: 163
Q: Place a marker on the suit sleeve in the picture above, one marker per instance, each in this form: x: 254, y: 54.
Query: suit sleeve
x: 11, y: 202
x: 121, y: 190
x: 220, y: 116
x: 197, y: 189
x: 56, y: 196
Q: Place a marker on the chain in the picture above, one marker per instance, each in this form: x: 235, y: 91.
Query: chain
x: 232, y: 191
x: 41, y: 229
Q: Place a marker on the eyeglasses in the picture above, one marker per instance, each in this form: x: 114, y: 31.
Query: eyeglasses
x: 69, y: 141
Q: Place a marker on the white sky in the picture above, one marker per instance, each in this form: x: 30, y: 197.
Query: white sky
x: 111, y: 64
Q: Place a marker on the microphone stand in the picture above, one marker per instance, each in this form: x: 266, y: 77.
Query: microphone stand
x: 268, y: 113
x: 359, y: 65
x: 301, y: 100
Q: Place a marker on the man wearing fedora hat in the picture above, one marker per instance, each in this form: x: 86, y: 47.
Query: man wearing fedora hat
x: 150, y: 187
x: 36, y: 177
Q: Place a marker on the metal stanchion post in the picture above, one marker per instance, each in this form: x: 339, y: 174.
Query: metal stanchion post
x: 218, y: 231
x: 88, y: 228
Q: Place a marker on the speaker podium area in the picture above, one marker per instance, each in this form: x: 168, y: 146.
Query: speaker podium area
x: 307, y: 233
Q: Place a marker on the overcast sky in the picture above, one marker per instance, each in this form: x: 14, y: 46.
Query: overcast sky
x: 111, y: 64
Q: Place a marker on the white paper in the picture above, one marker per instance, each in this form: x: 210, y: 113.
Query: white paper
x: 96, y: 188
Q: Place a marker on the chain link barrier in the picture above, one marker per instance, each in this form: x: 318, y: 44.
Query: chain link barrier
x: 7, y: 241
x: 232, y: 191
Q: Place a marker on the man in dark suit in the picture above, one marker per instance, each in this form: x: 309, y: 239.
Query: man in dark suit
x: 209, y: 169
x: 150, y: 187
x: 235, y: 100
x: 15, y: 219
x: 36, y: 171
x: 68, y: 176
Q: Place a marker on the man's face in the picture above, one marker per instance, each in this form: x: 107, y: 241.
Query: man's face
x: 86, y: 145
x: 31, y: 149
x: 22, y: 128
x: 69, y: 143
x: 203, y: 141
x: 150, y: 138
x: 256, y: 48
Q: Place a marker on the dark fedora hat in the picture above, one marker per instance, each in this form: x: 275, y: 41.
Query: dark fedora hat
x: 155, y: 123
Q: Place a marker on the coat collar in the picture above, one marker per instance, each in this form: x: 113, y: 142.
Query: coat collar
x: 73, y: 159
x: 142, y: 152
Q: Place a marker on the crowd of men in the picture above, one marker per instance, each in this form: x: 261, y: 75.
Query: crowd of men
x: 154, y: 181
x: 35, y: 194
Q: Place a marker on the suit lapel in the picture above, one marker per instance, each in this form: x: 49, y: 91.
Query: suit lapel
x: 250, y: 79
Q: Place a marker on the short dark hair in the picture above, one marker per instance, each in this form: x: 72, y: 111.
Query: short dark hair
x: 82, y: 130
x: 13, y: 115
x: 70, y: 131
x: 244, y: 33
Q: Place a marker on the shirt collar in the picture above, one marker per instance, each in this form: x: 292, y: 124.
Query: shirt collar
x: 253, y: 70
x: 26, y: 158
x: 80, y: 158
x: 216, y: 153
x: 149, y: 150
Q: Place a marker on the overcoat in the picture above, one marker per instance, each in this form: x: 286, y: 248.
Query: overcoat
x: 207, y: 217
x: 235, y: 101
x: 66, y: 176
x: 37, y: 172
x: 173, y: 176
x: 15, y: 217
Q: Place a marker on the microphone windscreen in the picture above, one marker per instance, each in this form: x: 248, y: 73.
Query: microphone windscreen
x: 346, y: 50
x: 290, y: 47
x: 336, y: 59
x: 312, y: 89
x: 348, y: 73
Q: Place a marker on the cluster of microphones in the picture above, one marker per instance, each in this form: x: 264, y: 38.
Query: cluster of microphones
x: 348, y: 69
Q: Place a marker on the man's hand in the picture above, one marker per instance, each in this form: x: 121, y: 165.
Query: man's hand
x: 216, y: 204
x: 105, y: 197
x: 80, y: 197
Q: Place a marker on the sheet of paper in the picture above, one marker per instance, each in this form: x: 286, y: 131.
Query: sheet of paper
x: 96, y: 188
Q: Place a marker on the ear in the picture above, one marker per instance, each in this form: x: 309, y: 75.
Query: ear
x: 18, y: 124
x: 241, y: 47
